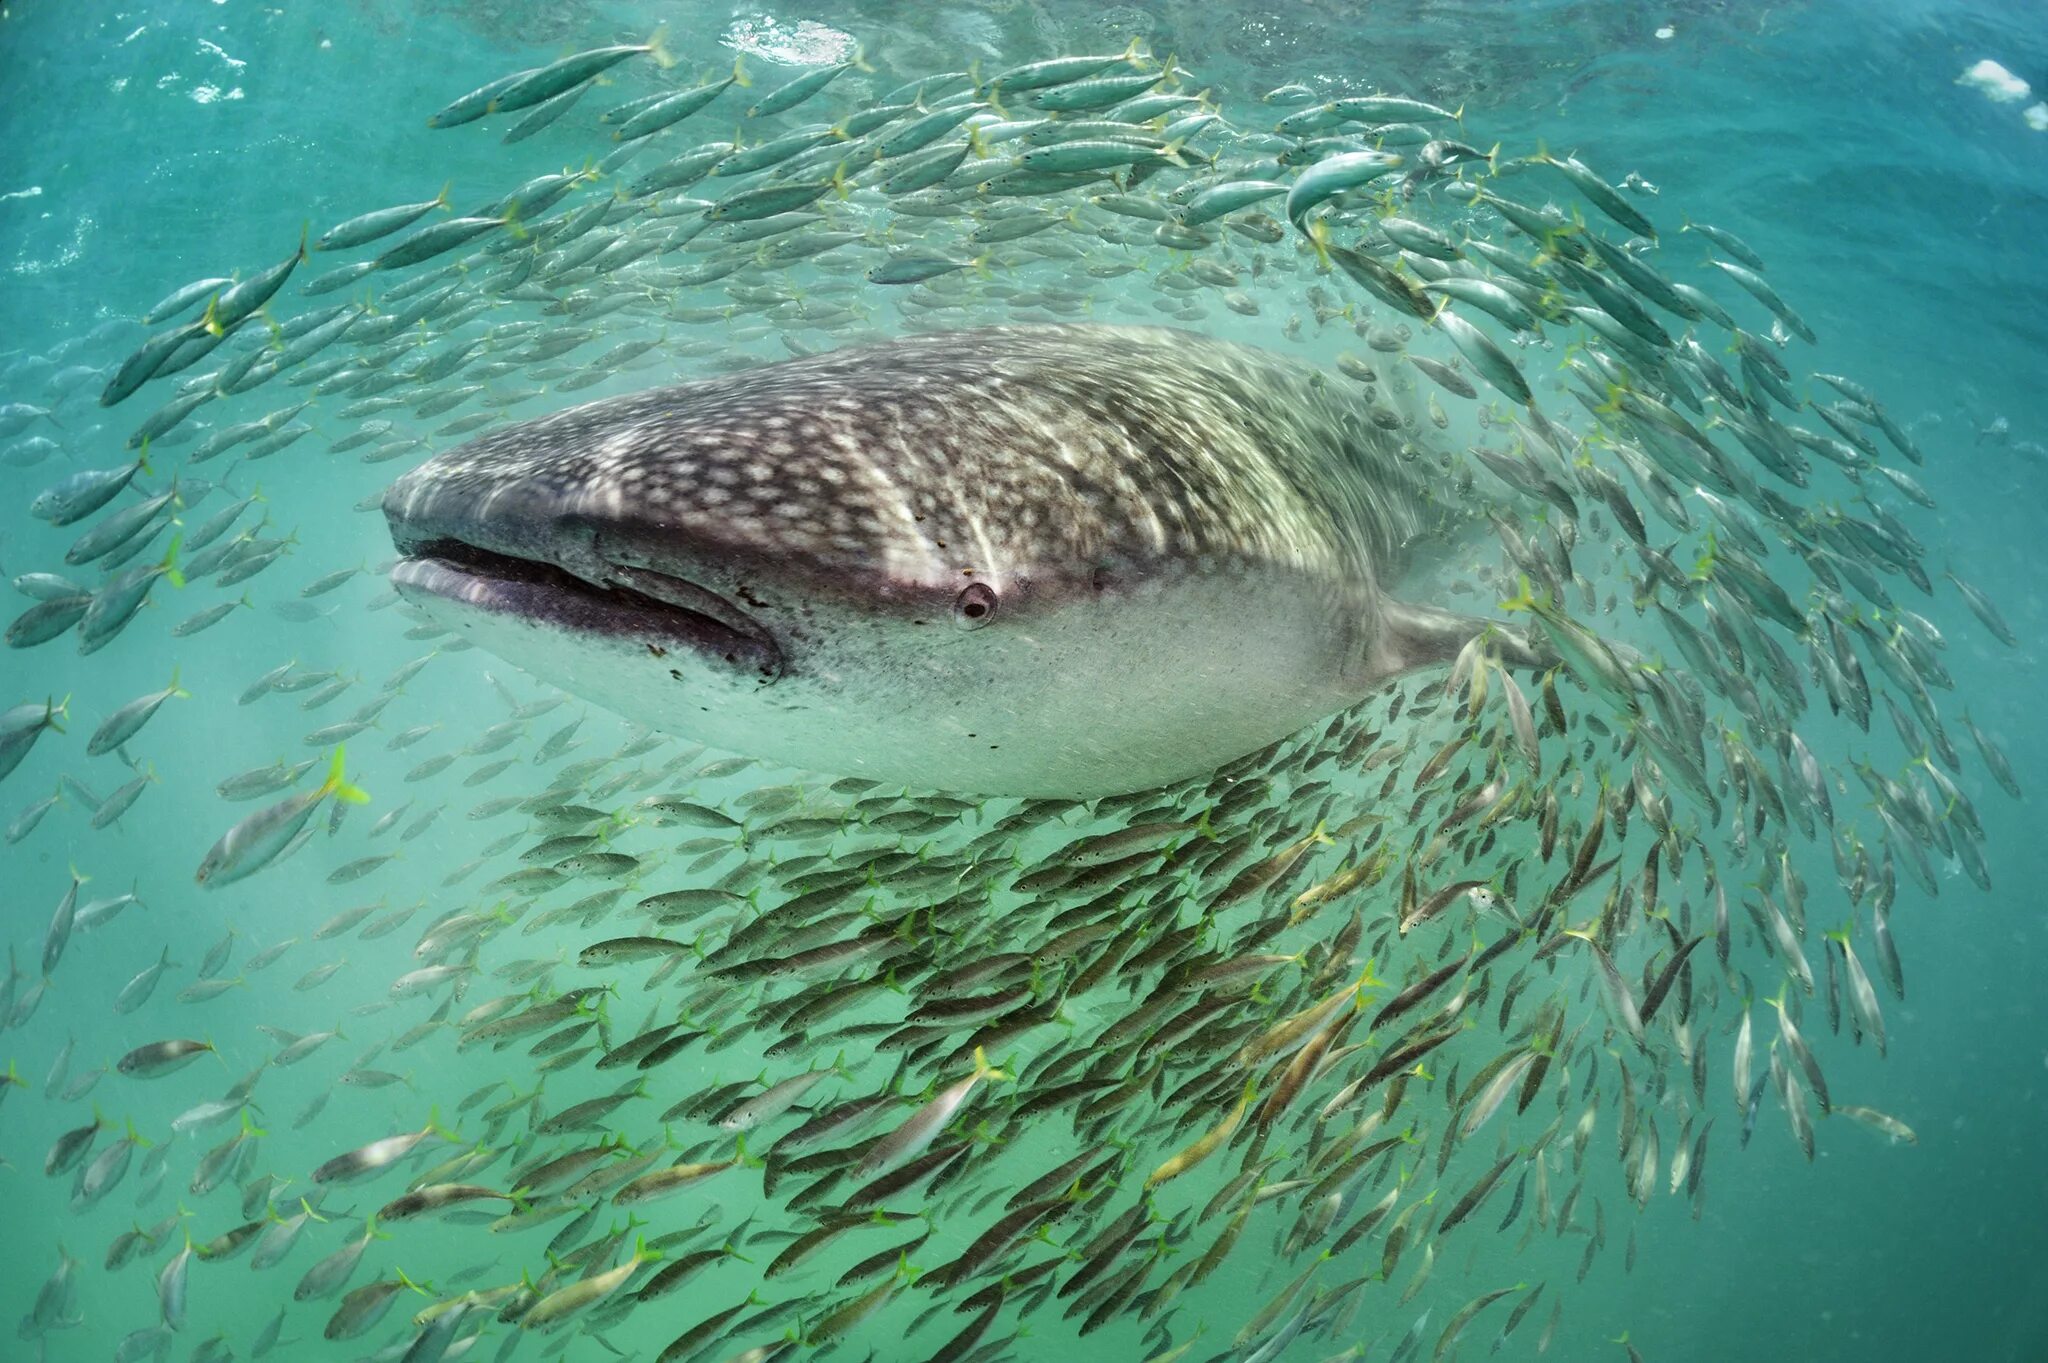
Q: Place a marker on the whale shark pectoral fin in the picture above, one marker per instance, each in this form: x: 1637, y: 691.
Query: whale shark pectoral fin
x: 1413, y: 637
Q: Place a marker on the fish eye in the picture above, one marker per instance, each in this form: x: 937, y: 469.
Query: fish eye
x: 975, y: 606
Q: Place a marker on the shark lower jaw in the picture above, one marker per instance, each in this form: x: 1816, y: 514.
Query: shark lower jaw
x: 634, y: 606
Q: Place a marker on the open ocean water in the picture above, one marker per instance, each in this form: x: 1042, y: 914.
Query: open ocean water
x: 1536, y: 1141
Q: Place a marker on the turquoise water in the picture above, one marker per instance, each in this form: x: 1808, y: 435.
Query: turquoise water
x: 1901, y: 215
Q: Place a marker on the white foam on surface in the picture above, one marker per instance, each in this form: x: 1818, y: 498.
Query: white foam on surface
x: 1997, y: 84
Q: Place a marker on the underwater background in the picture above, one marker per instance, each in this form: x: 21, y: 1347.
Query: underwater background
x: 1902, y: 212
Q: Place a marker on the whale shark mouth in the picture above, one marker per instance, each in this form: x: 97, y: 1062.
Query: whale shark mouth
x: 648, y: 608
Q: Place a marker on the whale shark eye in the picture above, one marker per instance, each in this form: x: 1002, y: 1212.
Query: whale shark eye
x: 975, y: 606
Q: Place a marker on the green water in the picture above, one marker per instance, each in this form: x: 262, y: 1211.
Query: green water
x: 1901, y: 215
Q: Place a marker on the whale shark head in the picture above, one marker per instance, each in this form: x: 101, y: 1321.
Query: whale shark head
x: 1060, y: 560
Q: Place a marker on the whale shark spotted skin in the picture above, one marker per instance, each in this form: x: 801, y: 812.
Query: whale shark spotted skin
x: 1027, y: 560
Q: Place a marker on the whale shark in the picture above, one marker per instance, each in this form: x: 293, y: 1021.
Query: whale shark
x: 1034, y: 560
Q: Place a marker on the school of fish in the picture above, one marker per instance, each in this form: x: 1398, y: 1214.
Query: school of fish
x: 767, y: 1064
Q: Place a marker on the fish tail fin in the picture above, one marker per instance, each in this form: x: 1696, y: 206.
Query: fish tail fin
x: 1524, y: 599
x: 142, y: 458
x: 62, y: 710
x: 337, y: 770
x: 176, y: 690
x: 337, y: 783
x: 739, y: 74
x: 442, y: 200
x: 170, y: 562
x: 1319, y: 237
x: 984, y: 1069
x: 657, y: 47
